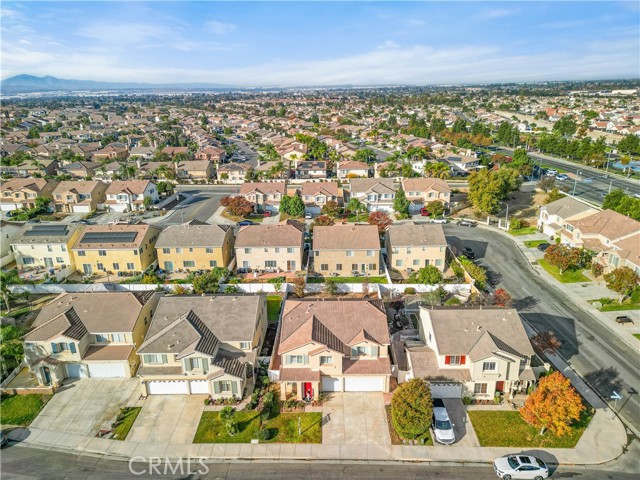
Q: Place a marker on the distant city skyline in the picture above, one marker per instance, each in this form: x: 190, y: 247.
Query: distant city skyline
x: 321, y: 44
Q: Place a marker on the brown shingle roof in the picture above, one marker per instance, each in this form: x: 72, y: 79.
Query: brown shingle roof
x: 410, y: 235
x: 610, y: 224
x: 346, y: 237
x: 278, y: 235
x: 107, y: 352
x: 136, y: 187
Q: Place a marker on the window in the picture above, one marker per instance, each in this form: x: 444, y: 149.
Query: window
x: 135, y: 252
x: 326, y: 360
x: 130, y: 266
x: 178, y: 250
x: 289, y: 250
x: 31, y: 347
x: 82, y: 253
x: 489, y: 367
x: 354, y: 266
x: 190, y: 250
x: 100, y: 266
x: 196, y: 364
x: 64, y: 248
x: 339, y: 267
x: 63, y: 347
x: 295, y: 359
x: 247, y: 250
x: 409, y: 250
x: 166, y: 250
x: 225, y: 386
x: 438, y: 262
x: 277, y: 249
x: 117, y: 337
x: 101, y: 338
x: 399, y: 263
x: 324, y: 267
x: 213, y: 263
x: 116, y: 266
x: 49, y: 248
x: 270, y: 263
x: 349, y: 253
x: 359, y: 351
x: 189, y: 263
x: 416, y: 262
x: 59, y: 260
x: 373, y: 266
x: 480, y: 388
x: 245, y: 345
x: 369, y: 253
x: 28, y: 261
x: 266, y: 250
x: 209, y: 249
x: 102, y: 253
x: 154, y: 359
x: 453, y: 360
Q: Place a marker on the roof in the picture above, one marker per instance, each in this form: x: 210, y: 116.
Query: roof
x: 276, y: 235
x: 77, y: 186
x: 412, y: 235
x: 378, y: 185
x: 346, y: 237
x: 74, y: 314
x: 46, y: 233
x: 193, y: 235
x: 352, y: 165
x: 267, y: 188
x: 325, y: 188
x: 107, y: 353
x: 424, y: 364
x: 136, y: 187
x: 425, y: 184
x: 629, y: 249
x: 609, y: 224
x: 227, y: 167
x: 567, y: 207
x: 113, y: 236
x: 478, y: 332
x: 14, y: 184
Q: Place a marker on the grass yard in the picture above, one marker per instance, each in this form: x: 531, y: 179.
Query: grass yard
x: 284, y: 428
x: 637, y: 335
x: 508, y: 429
x: 347, y: 279
x: 352, y: 217
x: 395, y: 438
x: 534, y: 243
x: 568, y: 276
x: 524, y: 231
x: 614, y: 305
x: 122, y: 430
x: 274, y: 302
x: 21, y: 409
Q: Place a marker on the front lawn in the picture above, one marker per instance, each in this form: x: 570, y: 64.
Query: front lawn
x: 568, y: 276
x: 234, y: 218
x: 284, y: 428
x: 508, y: 429
x: 352, y: 217
x: 129, y: 416
x: 534, y: 243
x: 347, y: 279
x: 637, y: 335
x: 524, y: 231
x: 614, y: 305
x: 21, y: 409
x: 273, y: 307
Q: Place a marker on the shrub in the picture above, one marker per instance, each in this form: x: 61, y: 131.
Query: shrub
x: 299, y: 286
x: 330, y: 287
x: 231, y: 289
x: 232, y: 427
x: 227, y: 413
x: 412, y: 408
x: 410, y: 291
x: 467, y: 400
x: 457, y: 269
x: 497, y: 398
x: 517, y: 223
x: 181, y: 290
x: 596, y: 269
x: 452, y: 301
x: 264, y: 434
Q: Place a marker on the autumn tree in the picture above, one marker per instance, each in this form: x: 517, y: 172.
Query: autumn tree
x: 545, y: 342
x: 412, y: 408
x: 238, y: 206
x: 502, y: 298
x: 622, y: 280
x: 554, y: 405
x: 546, y: 184
x: 562, y: 256
x: 330, y: 208
x: 381, y: 220
x: 299, y: 286
x: 553, y: 195
x: 323, y: 221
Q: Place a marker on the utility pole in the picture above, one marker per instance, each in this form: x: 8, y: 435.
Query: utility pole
x: 575, y: 182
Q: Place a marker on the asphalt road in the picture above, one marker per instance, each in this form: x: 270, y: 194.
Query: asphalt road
x: 27, y: 463
x: 597, y: 354
x: 203, y: 202
x: 246, y: 150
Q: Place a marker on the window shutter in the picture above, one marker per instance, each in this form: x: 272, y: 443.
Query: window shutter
x: 305, y: 359
x: 374, y: 350
x: 72, y: 347
x: 463, y: 359
x: 205, y: 365
x: 234, y: 388
x: 354, y: 352
x: 216, y: 387
x: 54, y: 347
x: 447, y: 360
x: 187, y: 364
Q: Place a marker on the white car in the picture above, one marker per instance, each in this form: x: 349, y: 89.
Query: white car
x: 442, y: 426
x: 562, y: 177
x: 552, y: 172
x: 439, y: 220
x: 513, y: 467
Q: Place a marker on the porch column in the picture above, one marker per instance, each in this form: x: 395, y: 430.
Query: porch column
x: 283, y: 390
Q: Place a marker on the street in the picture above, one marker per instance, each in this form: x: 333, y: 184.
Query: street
x: 27, y: 463
x: 597, y: 354
x: 246, y: 150
x: 203, y: 201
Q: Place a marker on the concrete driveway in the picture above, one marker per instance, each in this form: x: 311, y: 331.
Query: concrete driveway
x: 168, y: 419
x: 355, y: 418
x: 465, y: 434
x: 85, y: 406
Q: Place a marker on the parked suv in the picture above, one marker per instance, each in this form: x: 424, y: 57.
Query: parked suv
x: 442, y: 426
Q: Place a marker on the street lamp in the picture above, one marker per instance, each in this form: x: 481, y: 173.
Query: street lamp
x: 506, y: 217
x: 575, y: 182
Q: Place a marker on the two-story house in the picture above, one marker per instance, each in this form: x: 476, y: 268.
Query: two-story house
x: 194, y: 169
x: 346, y: 249
x: 623, y: 253
x: 270, y: 248
x: 311, y: 169
x: 211, y: 153
x: 377, y: 194
x: 332, y: 345
x: 203, y: 345
x: 315, y: 195
x: 37, y: 167
x: 554, y: 215
x: 464, y: 163
x: 233, y: 173
x: 46, y: 245
x: 352, y: 169
x: 115, y: 248
x: 79, y: 335
x: 420, y: 191
x: 264, y: 195
x: 471, y: 352
x: 195, y: 245
x: 79, y: 170
x: 129, y: 195
x: 81, y: 196
x: 411, y: 246
x: 21, y: 193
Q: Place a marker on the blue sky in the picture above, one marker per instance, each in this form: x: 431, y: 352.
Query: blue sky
x: 309, y: 43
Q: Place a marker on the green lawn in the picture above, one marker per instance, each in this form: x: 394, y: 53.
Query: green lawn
x: 348, y: 279
x: 273, y: 307
x: 508, y: 429
x: 21, y: 409
x: 352, y: 217
x: 637, y: 335
x: 122, y: 430
x: 615, y: 306
x: 568, y: 276
x: 534, y: 243
x: 524, y: 231
x: 284, y: 428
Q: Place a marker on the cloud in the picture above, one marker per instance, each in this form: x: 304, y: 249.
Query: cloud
x: 220, y: 28
x: 492, y: 14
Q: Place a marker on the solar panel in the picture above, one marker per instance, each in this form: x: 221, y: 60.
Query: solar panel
x: 47, y: 231
x: 109, y: 237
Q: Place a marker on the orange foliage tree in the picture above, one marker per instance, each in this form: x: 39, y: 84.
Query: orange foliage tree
x: 554, y: 405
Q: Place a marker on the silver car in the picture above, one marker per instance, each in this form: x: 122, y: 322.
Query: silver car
x: 512, y: 467
x: 442, y: 426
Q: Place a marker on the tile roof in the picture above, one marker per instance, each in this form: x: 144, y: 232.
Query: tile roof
x: 567, y: 207
x: 609, y: 224
x: 378, y: 185
x: 325, y: 188
x: 346, y: 237
x: 379, y: 366
x: 283, y: 234
x: 136, y: 187
x: 107, y: 353
x: 424, y: 364
x: 193, y: 235
x: 299, y: 375
x: 267, y: 188
x: 425, y: 184
x: 77, y: 186
x: 416, y: 235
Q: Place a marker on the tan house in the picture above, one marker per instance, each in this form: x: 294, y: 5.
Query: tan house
x: 79, y: 170
x: 111, y: 152
x: 624, y: 253
x: 420, y: 191
x: 37, y: 167
x: 195, y: 246
x: 554, y: 215
x: 264, y: 195
x: 332, y: 346
x: 346, y: 249
x: 233, y: 172
x: 77, y: 335
x: 46, y: 245
x: 115, y: 248
x: 411, y: 246
x: 213, y: 154
x: 21, y: 193
x: 81, y: 196
x: 377, y: 194
x: 315, y: 195
x: 203, y: 345
x: 270, y: 248
x: 352, y: 169
x: 194, y: 169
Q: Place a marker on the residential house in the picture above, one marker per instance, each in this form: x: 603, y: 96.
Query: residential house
x: 194, y: 169
x: 78, y: 335
x: 554, y: 215
x: 172, y: 151
x: 233, y: 173
x: 195, y: 245
x: 311, y: 169
x: 411, y: 246
x: 129, y: 195
x: 144, y: 153
x: 623, y: 253
x: 80, y: 169
x: 79, y: 196
x: 115, y: 248
x: 465, y: 163
x: 346, y: 249
x: 272, y: 248
x: 37, y: 167
x: 264, y: 195
x: 352, y: 169
x: 214, y: 154
x: 420, y: 191
x: 377, y: 194
x: 21, y: 193
x: 9, y: 231
x: 111, y: 152
x: 45, y: 245
x: 203, y: 345
x: 332, y: 345
x: 315, y: 195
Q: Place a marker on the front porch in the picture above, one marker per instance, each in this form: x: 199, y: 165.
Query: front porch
x: 299, y: 384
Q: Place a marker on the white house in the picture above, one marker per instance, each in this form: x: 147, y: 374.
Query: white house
x: 129, y: 195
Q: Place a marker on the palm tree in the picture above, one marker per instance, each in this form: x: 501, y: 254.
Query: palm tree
x: 437, y: 170
x: 355, y: 205
x: 8, y: 278
x: 39, y: 165
x: 164, y: 171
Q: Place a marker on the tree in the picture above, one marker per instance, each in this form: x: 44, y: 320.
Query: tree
x: 400, y: 203
x: 299, y: 286
x: 562, y: 256
x: 502, y: 298
x: 412, y: 408
x: 209, y: 282
x: 330, y: 286
x: 478, y: 273
x: 428, y: 275
x: 554, y: 405
x: 323, y: 221
x: 545, y: 342
x: 488, y: 188
x: 331, y: 208
x: 566, y: 125
x: 622, y: 280
x: 630, y: 144
x: 355, y: 205
x: 296, y: 207
x: 437, y: 170
x: 381, y: 220
x: 11, y: 346
x: 33, y: 133
x: 553, y: 195
x: 239, y: 206
x: 435, y: 208
x: 7, y: 279
x: 147, y: 201
x: 623, y: 204
x: 546, y: 184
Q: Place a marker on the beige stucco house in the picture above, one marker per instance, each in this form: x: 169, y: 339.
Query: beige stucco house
x: 21, y: 193
x: 46, y: 245
x: 346, y: 249
x: 264, y: 195
x: 82, y: 196
x: 271, y: 248
x: 411, y: 246
x: 554, y: 215
x: 420, y: 191
x: 315, y: 195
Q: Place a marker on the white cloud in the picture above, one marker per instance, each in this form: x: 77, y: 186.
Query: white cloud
x: 220, y: 28
x: 491, y: 14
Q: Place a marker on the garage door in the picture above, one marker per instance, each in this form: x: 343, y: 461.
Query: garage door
x: 330, y: 384
x: 446, y: 390
x: 107, y: 370
x: 364, y: 384
x: 75, y: 370
x: 199, y: 386
x: 81, y: 208
x: 179, y: 387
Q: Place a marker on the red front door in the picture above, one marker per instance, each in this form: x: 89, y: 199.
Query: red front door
x: 307, y: 391
x: 499, y: 386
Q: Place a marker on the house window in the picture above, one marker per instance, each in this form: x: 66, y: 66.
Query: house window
x: 416, y: 262
x: 63, y: 346
x: 28, y: 261
x: 289, y: 250
x: 190, y: 250
x: 277, y: 249
x: 102, y: 253
x: 101, y: 338
x: 349, y: 253
x: 266, y: 250
x: 135, y: 252
x: 213, y: 263
x: 116, y: 266
x: 30, y: 346
x: 130, y: 266
x: 178, y: 250
x: 166, y: 250
x: 489, y: 367
x: 100, y: 266
x: 438, y: 262
x: 369, y: 253
x: 247, y: 250
x: 339, y: 267
x: 270, y: 264
x: 479, y: 388
x: 209, y: 249
x: 189, y: 263
x: 245, y: 345
x: 399, y: 263
x: 196, y: 363
x: 373, y: 266
x: 59, y: 260
x: 295, y: 359
x: 154, y: 359
x: 409, y: 250
x: 324, y: 267
x: 359, y: 351
x: 82, y: 253
x: 326, y: 360
x: 49, y: 248
x: 117, y: 337
x: 63, y: 248
x: 453, y: 360
x: 225, y: 386
x: 354, y: 266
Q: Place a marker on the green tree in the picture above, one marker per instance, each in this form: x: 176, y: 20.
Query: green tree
x: 7, y: 279
x: 435, y: 208
x: 209, y: 282
x: 33, y: 133
x: 11, y: 346
x: 553, y: 195
x: 613, y: 199
x: 400, y: 203
x: 330, y: 286
x: 437, y: 170
x: 428, y: 275
x: 622, y: 280
x: 284, y: 204
x: 296, y: 207
x: 563, y: 256
x: 487, y: 188
x: 355, y: 205
x: 331, y: 208
x: 412, y: 408
x: 630, y: 144
x: 566, y: 125
x: 366, y: 155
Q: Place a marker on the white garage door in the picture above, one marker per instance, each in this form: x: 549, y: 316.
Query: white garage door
x: 199, y: 386
x: 81, y: 208
x: 178, y: 387
x: 446, y: 390
x: 364, y: 384
x: 107, y: 370
x: 330, y: 384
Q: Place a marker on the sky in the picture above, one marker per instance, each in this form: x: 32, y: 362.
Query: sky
x: 321, y: 43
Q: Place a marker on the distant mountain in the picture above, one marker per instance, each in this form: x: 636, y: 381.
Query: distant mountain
x: 30, y: 83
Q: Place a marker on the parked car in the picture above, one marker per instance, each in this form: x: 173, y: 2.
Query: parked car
x: 267, y: 213
x: 442, y: 426
x: 467, y: 252
x: 513, y: 467
x: 244, y: 223
x: 466, y: 223
x: 543, y: 247
x: 424, y: 212
x: 308, y: 216
x: 562, y: 177
x: 551, y: 172
x: 440, y: 220
x: 624, y: 319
